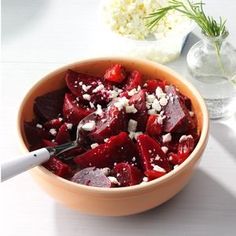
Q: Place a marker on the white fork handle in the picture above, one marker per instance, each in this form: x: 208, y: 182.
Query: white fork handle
x: 18, y: 165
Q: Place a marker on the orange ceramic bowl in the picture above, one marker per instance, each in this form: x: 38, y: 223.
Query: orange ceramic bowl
x: 125, y: 200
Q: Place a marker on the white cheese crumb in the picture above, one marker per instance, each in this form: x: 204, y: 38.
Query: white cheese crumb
x: 150, y: 97
x: 137, y: 134
x: 160, y: 119
x: 60, y: 119
x: 145, y: 179
x: 53, y: 132
x: 132, y: 92
x: 113, y: 93
x: 122, y: 102
x: 151, y: 111
x: 113, y: 180
x: 159, y: 92
x: 156, y: 105
x: 157, y: 157
x: 133, y: 159
x: 69, y: 125
x: 166, y: 138
x: 94, y: 145
x: 134, y: 135
x: 98, y: 88
x: 130, y: 109
x: 86, y: 88
x: 89, y: 126
x: 106, y: 171
x: 106, y: 140
x: 39, y: 126
x: 163, y: 101
x: 164, y: 149
x: 132, y: 125
x: 158, y: 168
x: 185, y: 137
x: 99, y: 110
x: 91, y: 105
x: 191, y: 113
x: 86, y: 96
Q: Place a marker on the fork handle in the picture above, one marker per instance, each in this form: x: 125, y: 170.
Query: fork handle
x: 15, y: 166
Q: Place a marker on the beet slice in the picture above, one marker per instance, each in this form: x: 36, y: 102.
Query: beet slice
x: 58, y: 167
x: 34, y: 135
x: 153, y: 128
x: 115, y: 74
x: 53, y: 124
x: 72, y: 111
x: 127, y: 175
x: 92, y: 176
x: 49, y: 105
x: 63, y: 135
x: 118, y: 148
x: 81, y: 84
x: 177, y: 115
x: 151, y: 154
x: 111, y: 123
x: 151, y: 85
x: 153, y: 174
x: 141, y: 116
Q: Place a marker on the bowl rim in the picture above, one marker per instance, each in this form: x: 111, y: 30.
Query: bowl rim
x: 148, y: 185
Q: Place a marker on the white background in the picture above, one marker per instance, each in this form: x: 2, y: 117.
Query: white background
x: 37, y: 37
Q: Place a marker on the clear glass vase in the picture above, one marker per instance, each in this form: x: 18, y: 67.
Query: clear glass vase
x: 212, y: 64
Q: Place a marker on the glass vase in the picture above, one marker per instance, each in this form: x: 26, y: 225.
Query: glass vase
x: 212, y: 64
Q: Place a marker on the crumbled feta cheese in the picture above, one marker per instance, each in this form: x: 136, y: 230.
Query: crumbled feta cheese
x: 150, y: 97
x: 39, y: 126
x: 132, y: 92
x: 151, y: 111
x: 89, y: 126
x: 130, y: 109
x: 86, y: 96
x: 132, y: 125
x: 53, y: 132
x: 191, y: 113
x: 106, y: 140
x: 160, y: 119
x: 163, y: 101
x: 60, y: 119
x: 159, y: 92
x: 121, y: 103
x: 98, y: 88
x: 158, y: 168
x: 133, y: 159
x: 166, y: 138
x: 99, y: 110
x: 145, y: 179
x: 69, y: 125
x: 94, y: 145
x: 185, y: 137
x: 91, y: 105
x: 113, y: 180
x: 157, y: 157
x: 106, y: 171
x: 156, y: 105
x: 86, y: 88
x: 137, y: 134
x: 113, y: 93
x: 164, y: 149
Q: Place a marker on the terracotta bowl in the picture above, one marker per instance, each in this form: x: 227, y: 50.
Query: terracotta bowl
x: 126, y: 200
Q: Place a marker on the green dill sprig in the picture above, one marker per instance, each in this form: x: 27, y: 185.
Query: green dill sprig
x: 194, y: 11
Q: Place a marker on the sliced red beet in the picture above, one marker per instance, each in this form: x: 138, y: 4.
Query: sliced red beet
x: 48, y: 143
x: 58, y: 167
x: 153, y: 128
x: 153, y: 174
x: 118, y: 148
x: 127, y: 175
x: 34, y: 135
x: 151, y: 154
x: 72, y: 111
x: 115, y: 74
x: 63, y: 135
x: 49, y: 106
x: 151, y: 85
x: 141, y: 116
x: 92, y: 176
x: 112, y: 123
x: 53, y: 124
x: 133, y: 81
x: 185, y: 147
x: 177, y: 115
x: 81, y: 84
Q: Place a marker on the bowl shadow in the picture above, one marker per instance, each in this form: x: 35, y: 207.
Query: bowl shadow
x: 204, y: 207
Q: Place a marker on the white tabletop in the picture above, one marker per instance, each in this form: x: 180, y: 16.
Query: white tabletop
x: 37, y: 37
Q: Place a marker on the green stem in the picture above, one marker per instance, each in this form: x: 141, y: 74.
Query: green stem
x: 217, y: 48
